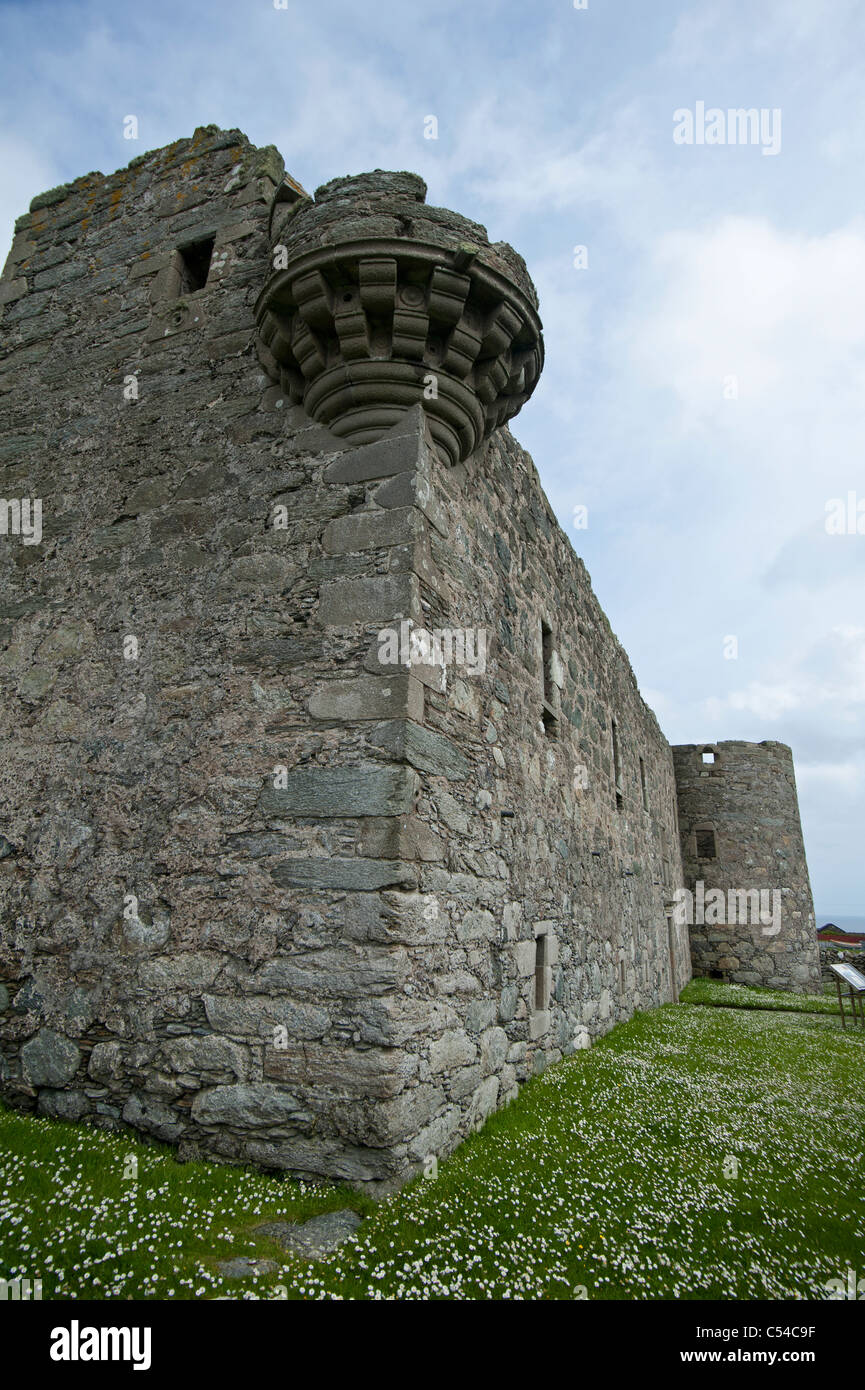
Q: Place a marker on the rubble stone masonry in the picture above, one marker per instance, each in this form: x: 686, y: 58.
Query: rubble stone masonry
x: 741, y: 834
x: 279, y: 883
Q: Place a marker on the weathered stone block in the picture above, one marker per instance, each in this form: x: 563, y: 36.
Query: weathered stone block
x: 143, y: 1112
x: 524, y: 958
x: 355, y: 973
x: 423, y: 748
x: 412, y: 490
x: 187, y: 972
x: 438, y: 1136
x: 454, y: 817
x: 336, y: 791
x: 106, y: 1062
x: 401, y: 1118
x: 63, y: 1105
x: 412, y: 919
x: 383, y: 599
x: 247, y: 1106
x: 539, y: 1023
x: 391, y: 1021
x: 365, y: 875
x: 49, y: 1059
x: 402, y: 837
x: 195, y: 1055
x: 368, y: 697
x: 483, y: 1101
x: 508, y: 1003
x: 480, y: 1015
x: 464, y: 1082
x: 373, y: 530
x: 477, y: 925
x: 10, y: 290
x: 455, y: 1049
x: 258, y: 1017
x: 494, y: 1049
x: 379, y: 1072
x: 391, y: 454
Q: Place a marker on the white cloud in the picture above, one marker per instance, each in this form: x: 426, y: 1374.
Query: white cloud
x: 715, y: 33
x: 26, y: 172
x: 782, y: 313
x: 767, y: 702
x: 826, y: 680
x: 846, y: 778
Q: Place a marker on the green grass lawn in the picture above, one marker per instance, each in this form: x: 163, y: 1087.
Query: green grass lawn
x: 722, y: 995
x: 692, y: 1153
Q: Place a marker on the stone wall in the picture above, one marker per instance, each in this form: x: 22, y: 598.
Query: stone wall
x: 541, y: 890
x: 741, y: 832
x: 280, y: 882
x: 830, y: 955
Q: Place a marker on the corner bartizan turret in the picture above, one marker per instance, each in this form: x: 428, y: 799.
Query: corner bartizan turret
x: 377, y: 302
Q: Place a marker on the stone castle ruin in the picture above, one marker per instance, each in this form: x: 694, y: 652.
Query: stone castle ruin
x: 330, y: 810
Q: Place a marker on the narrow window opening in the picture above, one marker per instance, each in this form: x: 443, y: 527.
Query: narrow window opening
x: 643, y: 785
x: 195, y: 264
x: 549, y: 717
x: 622, y: 978
x: 541, y: 974
x: 671, y: 949
x: 706, y: 844
x: 617, y: 766
x: 708, y: 756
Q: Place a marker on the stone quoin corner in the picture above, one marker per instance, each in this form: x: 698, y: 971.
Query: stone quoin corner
x: 273, y: 889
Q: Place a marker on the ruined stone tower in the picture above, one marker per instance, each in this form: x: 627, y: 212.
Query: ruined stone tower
x: 742, y: 840
x: 330, y: 810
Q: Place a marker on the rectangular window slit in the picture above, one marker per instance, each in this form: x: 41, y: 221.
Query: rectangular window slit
x: 550, y: 719
x: 541, y: 962
x: 617, y: 766
x: 706, y: 844
x: 195, y: 264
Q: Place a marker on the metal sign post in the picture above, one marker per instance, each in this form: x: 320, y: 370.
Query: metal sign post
x: 855, y: 983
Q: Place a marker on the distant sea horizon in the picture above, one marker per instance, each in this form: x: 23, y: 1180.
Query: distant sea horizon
x: 841, y: 919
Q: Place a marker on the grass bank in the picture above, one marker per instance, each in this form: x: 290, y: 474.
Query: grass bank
x: 718, y: 994
x: 692, y: 1153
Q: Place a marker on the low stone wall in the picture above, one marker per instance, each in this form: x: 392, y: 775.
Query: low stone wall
x: 847, y: 957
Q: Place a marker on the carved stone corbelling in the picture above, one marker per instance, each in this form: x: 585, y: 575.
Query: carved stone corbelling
x: 377, y: 302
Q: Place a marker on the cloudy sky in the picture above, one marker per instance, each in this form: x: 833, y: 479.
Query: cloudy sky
x: 703, y: 393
